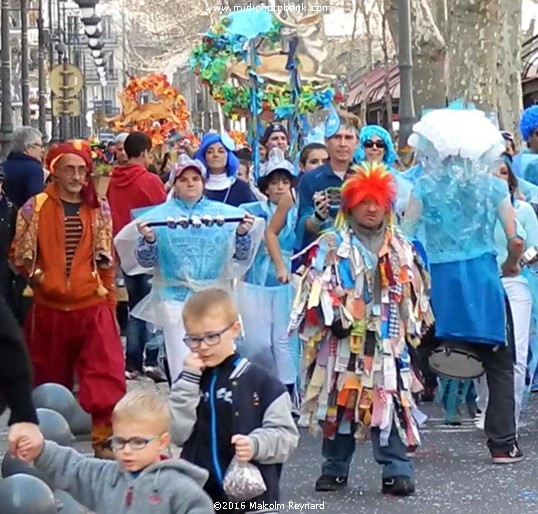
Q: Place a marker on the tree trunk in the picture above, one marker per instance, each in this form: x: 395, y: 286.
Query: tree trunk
x: 510, y: 94
x: 440, y: 15
x: 390, y: 12
x: 474, y: 36
x: 429, y: 58
x: 429, y: 53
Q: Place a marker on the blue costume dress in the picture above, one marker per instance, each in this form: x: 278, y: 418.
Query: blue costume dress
x: 456, y: 226
x: 185, y: 261
x: 265, y: 303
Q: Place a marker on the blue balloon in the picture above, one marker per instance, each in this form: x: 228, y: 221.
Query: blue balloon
x: 250, y: 23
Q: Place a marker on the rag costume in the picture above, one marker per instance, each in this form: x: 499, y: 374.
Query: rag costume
x: 183, y: 261
x: 65, y: 249
x: 362, y: 299
x: 454, y: 208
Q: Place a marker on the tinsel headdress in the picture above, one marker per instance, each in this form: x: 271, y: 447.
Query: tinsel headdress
x: 371, y: 181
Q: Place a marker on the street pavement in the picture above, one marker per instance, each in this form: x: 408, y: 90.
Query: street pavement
x: 454, y: 475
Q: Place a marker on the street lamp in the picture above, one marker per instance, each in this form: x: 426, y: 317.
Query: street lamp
x: 6, y: 125
x: 95, y: 44
x: 96, y: 54
x: 91, y: 24
x: 100, y: 61
x: 87, y: 7
x: 94, y: 39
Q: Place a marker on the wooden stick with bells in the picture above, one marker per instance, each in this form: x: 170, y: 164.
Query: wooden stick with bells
x: 194, y: 221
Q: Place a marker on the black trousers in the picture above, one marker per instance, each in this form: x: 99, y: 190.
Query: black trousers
x: 500, y: 423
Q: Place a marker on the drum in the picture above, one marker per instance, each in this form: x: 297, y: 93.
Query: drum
x: 453, y: 359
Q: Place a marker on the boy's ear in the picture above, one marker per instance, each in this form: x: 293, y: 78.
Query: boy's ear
x: 236, y: 329
x: 165, y: 440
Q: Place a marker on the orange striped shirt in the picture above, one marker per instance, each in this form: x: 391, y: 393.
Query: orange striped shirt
x: 73, y: 232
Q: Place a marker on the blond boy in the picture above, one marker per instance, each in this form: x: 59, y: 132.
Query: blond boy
x: 140, y: 481
x: 223, y: 406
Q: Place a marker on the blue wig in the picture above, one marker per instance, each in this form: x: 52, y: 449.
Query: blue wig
x: 529, y: 122
x: 232, y: 162
x: 366, y: 134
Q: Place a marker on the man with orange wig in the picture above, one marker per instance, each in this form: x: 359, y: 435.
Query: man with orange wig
x: 63, y: 244
x: 363, y: 299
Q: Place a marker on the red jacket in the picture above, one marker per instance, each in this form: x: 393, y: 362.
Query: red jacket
x: 132, y: 187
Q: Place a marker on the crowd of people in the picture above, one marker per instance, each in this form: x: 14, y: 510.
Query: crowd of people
x: 308, y: 291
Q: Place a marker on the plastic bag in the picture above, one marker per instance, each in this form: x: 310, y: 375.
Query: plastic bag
x: 243, y: 481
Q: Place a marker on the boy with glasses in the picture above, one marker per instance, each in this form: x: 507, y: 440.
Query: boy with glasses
x: 224, y: 407
x: 140, y: 481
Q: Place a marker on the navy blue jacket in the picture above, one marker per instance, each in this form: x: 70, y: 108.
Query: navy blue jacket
x: 236, y: 397
x: 24, y: 178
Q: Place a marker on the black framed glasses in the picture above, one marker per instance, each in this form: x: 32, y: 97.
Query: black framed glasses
x: 372, y: 144
x: 212, y: 339
x: 135, y: 443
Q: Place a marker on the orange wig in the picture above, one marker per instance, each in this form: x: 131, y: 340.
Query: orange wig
x: 371, y: 182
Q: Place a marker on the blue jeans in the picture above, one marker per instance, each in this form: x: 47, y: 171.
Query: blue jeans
x: 338, y: 453
x: 138, y: 287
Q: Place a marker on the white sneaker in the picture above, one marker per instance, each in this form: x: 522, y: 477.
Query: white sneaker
x: 480, y: 420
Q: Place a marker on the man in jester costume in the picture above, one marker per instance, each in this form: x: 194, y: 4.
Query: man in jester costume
x: 362, y: 300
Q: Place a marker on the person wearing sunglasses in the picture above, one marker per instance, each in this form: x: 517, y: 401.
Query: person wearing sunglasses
x: 375, y: 145
x: 140, y: 480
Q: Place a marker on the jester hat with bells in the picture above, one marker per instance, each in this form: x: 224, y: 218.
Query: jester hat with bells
x: 83, y: 149
x: 372, y: 181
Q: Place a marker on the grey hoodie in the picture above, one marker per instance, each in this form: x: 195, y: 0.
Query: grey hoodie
x: 167, y: 487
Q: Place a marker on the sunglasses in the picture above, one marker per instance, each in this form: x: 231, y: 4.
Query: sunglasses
x: 372, y: 144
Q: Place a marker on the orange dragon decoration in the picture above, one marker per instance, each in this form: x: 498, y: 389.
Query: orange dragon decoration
x: 158, y: 119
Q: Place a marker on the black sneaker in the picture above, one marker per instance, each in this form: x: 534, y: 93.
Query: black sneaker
x: 500, y: 457
x: 398, y: 486
x: 330, y: 483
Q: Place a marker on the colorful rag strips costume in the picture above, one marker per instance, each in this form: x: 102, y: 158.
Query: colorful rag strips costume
x: 356, y: 314
x: 184, y: 261
x: 265, y: 303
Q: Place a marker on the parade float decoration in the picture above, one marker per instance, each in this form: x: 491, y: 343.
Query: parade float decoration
x: 225, y: 63
x: 239, y: 138
x: 262, y: 65
x: 158, y: 118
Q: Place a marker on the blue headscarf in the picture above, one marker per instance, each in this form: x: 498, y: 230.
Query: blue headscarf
x: 366, y: 134
x: 232, y: 162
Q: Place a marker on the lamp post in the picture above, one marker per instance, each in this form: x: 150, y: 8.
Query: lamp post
x: 87, y: 7
x: 42, y: 86
x: 25, y: 82
x: 53, y: 125
x: 407, y: 107
x: 6, y: 125
x: 64, y: 121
